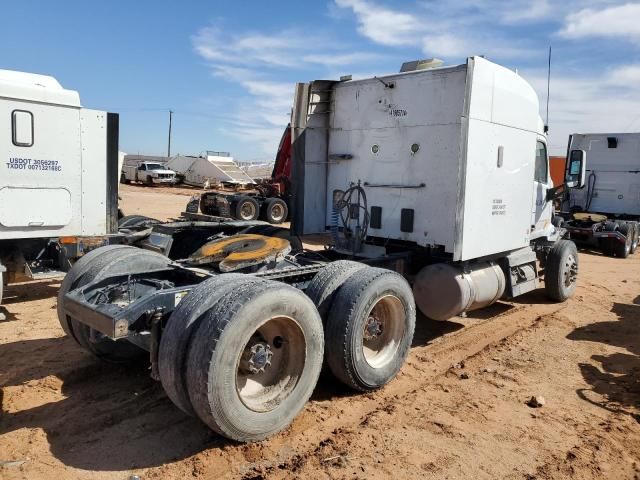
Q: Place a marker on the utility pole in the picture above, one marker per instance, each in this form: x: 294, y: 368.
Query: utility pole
x: 169, y: 147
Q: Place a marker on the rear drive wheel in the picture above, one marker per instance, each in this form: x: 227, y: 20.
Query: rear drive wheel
x: 247, y: 208
x: 636, y: 233
x: 276, y: 210
x: 71, y: 282
x: 2, y: 270
x: 370, y: 328
x: 623, y: 249
x: 181, y: 324
x: 557, y: 221
x: 255, y: 360
x: 325, y: 284
x: 121, y: 261
x: 561, y: 271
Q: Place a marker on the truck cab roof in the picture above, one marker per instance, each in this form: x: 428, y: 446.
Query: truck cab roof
x: 37, y: 88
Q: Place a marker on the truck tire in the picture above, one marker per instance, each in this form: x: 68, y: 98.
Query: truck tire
x: 181, y: 324
x: 557, y: 221
x: 325, y: 284
x: 636, y: 234
x: 70, y: 282
x: 246, y: 208
x: 121, y: 261
x: 205, y: 207
x: 123, y: 178
x: 129, y: 221
x: 622, y: 250
x: 561, y: 270
x: 2, y: 270
x: 276, y: 211
x: 370, y: 328
x: 255, y: 360
x: 149, y: 181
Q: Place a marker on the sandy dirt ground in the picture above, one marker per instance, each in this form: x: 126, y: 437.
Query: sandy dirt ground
x: 457, y: 410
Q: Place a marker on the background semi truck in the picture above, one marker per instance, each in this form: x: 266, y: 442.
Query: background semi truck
x: 58, y: 177
x: 434, y: 185
x: 604, y: 213
x: 268, y: 200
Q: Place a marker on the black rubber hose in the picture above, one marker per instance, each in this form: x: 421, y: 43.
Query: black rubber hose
x: 591, y: 188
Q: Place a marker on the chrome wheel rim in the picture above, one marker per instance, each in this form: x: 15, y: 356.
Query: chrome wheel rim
x: 570, y: 270
x: 270, y: 364
x: 247, y: 210
x: 383, y: 331
x: 277, y: 212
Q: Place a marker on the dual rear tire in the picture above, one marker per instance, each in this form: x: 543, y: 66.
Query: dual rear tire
x: 369, y: 316
x: 243, y: 355
x: 273, y: 210
x: 613, y: 246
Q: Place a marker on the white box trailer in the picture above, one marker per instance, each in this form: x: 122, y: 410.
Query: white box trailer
x: 58, y: 170
x: 605, y: 213
x: 441, y: 175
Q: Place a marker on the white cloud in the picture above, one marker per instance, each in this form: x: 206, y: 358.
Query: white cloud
x: 252, y: 60
x: 617, y: 21
x: 445, y: 45
x: 383, y: 25
x: 526, y: 11
x: 446, y: 29
x: 627, y: 75
x: 335, y: 60
x: 589, y: 103
x: 280, y: 50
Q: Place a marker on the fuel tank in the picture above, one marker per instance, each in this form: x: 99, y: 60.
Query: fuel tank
x: 443, y: 291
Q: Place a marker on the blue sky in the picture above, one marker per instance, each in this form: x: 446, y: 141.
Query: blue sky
x: 228, y: 69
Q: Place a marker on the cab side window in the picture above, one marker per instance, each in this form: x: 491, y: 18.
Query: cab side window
x: 142, y: 167
x: 22, y: 128
x: 541, y: 169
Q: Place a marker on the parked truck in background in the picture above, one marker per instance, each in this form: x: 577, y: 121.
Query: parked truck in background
x: 604, y: 214
x: 149, y: 173
x: 434, y: 186
x: 58, y: 177
x: 268, y: 200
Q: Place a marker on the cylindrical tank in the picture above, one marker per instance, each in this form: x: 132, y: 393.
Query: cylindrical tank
x: 443, y: 291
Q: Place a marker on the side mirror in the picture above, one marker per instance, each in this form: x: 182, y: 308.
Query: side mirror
x: 576, y: 169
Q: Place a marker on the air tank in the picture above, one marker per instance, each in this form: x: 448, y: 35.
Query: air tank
x: 443, y: 291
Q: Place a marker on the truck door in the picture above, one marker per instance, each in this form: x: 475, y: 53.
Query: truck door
x: 542, y: 209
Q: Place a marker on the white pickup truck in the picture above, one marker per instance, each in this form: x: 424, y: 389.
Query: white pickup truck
x: 147, y: 172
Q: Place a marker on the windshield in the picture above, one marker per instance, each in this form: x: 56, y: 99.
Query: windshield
x: 154, y: 166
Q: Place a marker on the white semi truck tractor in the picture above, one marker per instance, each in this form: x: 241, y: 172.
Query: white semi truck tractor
x: 604, y: 213
x: 58, y: 177
x: 434, y: 187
